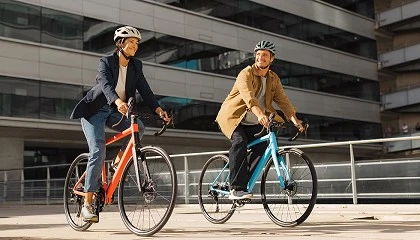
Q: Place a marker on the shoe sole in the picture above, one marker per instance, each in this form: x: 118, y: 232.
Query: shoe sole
x: 91, y: 220
x: 240, y: 198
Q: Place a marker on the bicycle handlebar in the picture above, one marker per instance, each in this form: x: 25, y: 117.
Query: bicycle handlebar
x: 129, y: 112
x: 273, y: 123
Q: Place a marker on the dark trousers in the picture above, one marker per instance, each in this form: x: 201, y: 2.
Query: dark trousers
x: 241, y: 165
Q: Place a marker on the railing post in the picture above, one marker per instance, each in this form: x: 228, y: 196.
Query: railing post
x: 5, y: 187
x: 187, y: 194
x: 22, y: 185
x: 353, y: 175
x: 48, y: 185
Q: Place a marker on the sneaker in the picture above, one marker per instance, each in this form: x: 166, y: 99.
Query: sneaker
x: 237, y: 195
x: 88, y: 214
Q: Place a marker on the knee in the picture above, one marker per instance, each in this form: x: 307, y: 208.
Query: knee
x: 141, y: 127
x: 98, y: 150
x: 239, y: 142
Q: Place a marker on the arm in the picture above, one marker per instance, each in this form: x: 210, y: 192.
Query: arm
x: 245, y: 88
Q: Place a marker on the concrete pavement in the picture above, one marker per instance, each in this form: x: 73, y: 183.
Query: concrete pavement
x: 327, y: 221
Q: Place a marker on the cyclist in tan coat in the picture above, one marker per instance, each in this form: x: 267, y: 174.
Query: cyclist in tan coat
x: 246, y: 108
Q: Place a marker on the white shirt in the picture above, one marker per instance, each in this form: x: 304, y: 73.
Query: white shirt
x: 250, y: 118
x: 120, y: 88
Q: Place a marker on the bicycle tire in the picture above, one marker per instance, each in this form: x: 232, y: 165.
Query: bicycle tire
x: 291, y: 206
x: 145, y: 213
x: 215, y: 206
x: 73, y: 203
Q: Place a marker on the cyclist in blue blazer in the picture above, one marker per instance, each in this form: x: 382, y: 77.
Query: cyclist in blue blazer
x: 119, y: 76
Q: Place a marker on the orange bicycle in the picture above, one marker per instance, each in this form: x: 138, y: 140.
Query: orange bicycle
x: 146, y: 180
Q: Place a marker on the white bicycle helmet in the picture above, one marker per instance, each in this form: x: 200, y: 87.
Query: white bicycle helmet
x: 265, y: 45
x: 126, y: 32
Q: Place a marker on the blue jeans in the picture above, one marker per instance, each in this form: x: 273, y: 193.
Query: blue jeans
x: 94, y: 130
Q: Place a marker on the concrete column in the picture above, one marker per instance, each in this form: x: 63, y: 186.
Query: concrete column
x: 11, y: 157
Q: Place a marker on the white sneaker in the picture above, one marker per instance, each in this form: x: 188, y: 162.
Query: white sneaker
x: 237, y: 195
x: 88, y: 214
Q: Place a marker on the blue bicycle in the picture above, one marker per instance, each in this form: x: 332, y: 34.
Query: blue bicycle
x: 288, y: 183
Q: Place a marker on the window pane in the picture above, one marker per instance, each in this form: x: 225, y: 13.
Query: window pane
x: 20, y: 21
x: 58, y: 100
x: 19, y: 97
x: 98, y: 36
x: 62, y: 29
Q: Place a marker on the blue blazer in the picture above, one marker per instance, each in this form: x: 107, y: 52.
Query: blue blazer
x: 103, y: 92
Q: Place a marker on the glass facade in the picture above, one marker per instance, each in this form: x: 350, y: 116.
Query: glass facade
x: 272, y: 20
x: 362, y: 7
x: 46, y: 100
x: 88, y: 34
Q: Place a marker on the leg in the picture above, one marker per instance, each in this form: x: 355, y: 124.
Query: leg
x: 113, y: 119
x: 257, y: 151
x: 237, y: 156
x: 94, y: 130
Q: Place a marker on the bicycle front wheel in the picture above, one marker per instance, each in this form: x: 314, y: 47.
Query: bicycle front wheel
x: 73, y: 203
x: 145, y: 212
x: 213, y: 190
x: 291, y: 205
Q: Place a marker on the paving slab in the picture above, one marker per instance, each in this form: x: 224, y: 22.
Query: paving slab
x: 327, y: 221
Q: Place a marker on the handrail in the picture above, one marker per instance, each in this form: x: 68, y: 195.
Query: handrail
x: 53, y: 187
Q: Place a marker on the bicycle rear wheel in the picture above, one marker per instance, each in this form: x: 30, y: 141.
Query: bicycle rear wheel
x: 215, y: 206
x: 73, y: 203
x: 145, y: 212
x: 290, y: 206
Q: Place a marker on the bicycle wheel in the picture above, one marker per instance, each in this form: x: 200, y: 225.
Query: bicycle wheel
x: 73, y: 203
x: 145, y: 212
x: 290, y: 206
x: 215, y: 206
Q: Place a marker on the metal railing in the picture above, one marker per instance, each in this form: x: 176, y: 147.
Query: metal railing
x: 377, y: 179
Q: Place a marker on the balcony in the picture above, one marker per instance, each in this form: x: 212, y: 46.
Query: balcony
x: 402, y: 100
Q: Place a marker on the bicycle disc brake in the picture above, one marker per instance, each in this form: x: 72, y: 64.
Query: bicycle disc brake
x: 291, y: 188
x: 150, y: 192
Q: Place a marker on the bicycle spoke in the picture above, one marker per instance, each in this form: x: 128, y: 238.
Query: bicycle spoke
x: 146, y: 212
x: 292, y: 205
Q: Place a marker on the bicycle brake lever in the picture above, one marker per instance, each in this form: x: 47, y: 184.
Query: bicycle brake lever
x: 298, y: 133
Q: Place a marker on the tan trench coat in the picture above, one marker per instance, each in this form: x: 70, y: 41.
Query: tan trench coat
x: 242, y: 98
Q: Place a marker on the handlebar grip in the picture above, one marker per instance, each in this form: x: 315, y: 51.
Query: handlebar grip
x: 298, y: 133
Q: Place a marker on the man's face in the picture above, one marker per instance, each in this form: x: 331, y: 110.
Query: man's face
x: 130, y: 46
x: 263, y: 58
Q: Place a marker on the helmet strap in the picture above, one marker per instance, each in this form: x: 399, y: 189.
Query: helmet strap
x: 121, y: 50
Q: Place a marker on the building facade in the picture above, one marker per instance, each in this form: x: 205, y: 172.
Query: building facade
x: 192, y: 51
x: 398, y: 30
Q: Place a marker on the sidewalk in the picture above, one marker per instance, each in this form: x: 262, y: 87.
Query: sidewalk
x: 327, y: 221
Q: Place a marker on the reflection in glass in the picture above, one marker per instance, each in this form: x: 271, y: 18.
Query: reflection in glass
x: 98, y: 36
x: 45, y: 100
x: 262, y: 17
x: 62, y: 29
x: 58, y: 100
x: 19, y: 97
x: 362, y: 7
x: 20, y: 21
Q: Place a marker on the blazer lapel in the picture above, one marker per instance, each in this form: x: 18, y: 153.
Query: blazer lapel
x: 131, y: 73
x: 115, y: 69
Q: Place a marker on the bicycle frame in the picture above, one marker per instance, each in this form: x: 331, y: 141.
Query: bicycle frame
x: 271, y: 150
x: 130, y: 151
